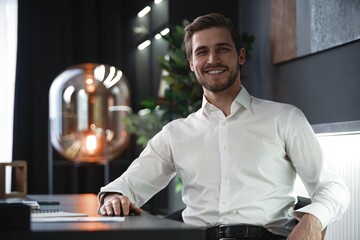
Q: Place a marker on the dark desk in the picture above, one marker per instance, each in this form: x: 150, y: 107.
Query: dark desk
x: 145, y: 226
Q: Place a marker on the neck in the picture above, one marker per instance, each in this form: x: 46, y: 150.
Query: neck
x: 224, y: 99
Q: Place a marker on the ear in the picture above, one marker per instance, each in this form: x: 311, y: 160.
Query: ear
x: 191, y: 65
x: 241, y: 57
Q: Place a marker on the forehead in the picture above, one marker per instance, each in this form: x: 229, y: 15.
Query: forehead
x: 211, y: 37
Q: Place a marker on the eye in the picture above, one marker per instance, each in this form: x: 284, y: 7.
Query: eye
x: 223, y: 49
x: 200, y: 53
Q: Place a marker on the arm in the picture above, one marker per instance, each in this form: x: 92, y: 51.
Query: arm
x: 146, y: 175
x: 329, y: 194
x: 309, y: 227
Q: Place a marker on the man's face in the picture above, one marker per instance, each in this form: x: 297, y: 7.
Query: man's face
x: 215, y: 61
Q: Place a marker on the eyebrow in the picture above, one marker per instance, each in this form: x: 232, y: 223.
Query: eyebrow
x: 200, y: 48
x: 226, y: 44
x: 221, y: 44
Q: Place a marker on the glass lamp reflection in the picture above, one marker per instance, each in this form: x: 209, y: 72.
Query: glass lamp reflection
x: 87, y: 104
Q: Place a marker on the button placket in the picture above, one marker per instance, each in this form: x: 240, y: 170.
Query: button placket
x: 224, y: 167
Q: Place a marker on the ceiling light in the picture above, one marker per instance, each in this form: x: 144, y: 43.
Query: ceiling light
x: 143, y: 12
x: 144, y: 45
x: 165, y: 31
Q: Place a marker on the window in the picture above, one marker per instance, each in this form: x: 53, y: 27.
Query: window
x: 8, y: 45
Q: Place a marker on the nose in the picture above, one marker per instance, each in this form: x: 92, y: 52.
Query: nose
x: 213, y: 58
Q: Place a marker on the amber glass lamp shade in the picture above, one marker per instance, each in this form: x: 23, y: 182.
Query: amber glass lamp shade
x: 87, y: 105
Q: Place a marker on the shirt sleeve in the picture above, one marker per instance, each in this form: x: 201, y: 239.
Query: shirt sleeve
x: 329, y: 194
x: 146, y: 175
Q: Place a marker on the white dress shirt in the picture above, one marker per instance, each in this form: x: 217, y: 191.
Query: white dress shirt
x: 240, y: 168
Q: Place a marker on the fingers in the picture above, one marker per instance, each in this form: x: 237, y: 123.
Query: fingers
x: 135, y: 210
x: 118, y: 205
x: 111, y: 205
x: 128, y: 207
x: 125, y: 205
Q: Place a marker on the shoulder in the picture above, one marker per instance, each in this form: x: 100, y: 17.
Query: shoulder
x: 285, y: 115
x: 192, y: 123
x: 179, y: 122
x: 273, y: 106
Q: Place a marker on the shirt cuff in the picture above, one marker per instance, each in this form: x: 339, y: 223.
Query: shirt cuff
x: 316, y: 209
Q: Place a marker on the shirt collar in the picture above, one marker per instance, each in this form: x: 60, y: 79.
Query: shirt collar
x: 243, y: 98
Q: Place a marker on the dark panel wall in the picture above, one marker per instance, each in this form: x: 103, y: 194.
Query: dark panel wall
x: 254, y: 18
x: 190, y: 9
x: 325, y: 85
x: 144, y: 69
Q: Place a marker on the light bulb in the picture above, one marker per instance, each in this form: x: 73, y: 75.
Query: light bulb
x: 90, y: 143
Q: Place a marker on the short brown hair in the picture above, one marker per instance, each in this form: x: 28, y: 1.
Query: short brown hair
x: 209, y: 21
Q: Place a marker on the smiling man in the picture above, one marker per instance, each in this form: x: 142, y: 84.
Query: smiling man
x: 237, y: 155
x: 215, y: 61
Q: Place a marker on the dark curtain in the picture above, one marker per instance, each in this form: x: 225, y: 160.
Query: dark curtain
x: 53, y: 35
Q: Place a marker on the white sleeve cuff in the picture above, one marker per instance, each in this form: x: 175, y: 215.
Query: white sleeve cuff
x: 316, y: 209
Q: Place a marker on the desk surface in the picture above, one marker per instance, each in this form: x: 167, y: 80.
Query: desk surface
x: 145, y: 226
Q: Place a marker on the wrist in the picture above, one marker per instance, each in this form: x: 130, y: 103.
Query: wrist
x: 314, y: 221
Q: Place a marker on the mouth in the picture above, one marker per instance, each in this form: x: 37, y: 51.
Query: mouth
x: 215, y: 71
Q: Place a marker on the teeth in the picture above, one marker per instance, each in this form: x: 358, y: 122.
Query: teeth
x: 215, y: 71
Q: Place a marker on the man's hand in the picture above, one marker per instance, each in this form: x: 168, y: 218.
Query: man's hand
x: 309, y: 228
x: 118, y: 205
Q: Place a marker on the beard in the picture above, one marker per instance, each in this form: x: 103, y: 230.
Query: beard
x: 219, y: 87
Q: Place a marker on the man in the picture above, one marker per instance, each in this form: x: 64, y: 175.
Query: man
x: 237, y: 156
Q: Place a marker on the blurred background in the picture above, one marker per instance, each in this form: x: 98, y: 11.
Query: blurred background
x: 298, y: 56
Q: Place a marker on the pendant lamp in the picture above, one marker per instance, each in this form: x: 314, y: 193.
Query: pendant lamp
x: 87, y: 105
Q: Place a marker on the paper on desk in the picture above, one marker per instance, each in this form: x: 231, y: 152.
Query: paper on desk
x: 78, y: 219
x: 56, y: 214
